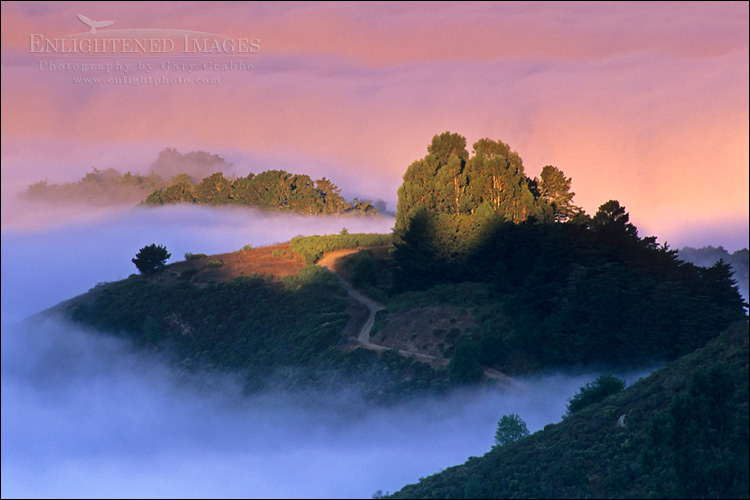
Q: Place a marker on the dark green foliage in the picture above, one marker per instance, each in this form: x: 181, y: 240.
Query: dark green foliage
x: 151, y: 258
x: 611, y: 222
x: 708, y: 256
x: 464, y: 367
x: 364, y: 272
x: 311, y: 248
x: 214, y: 263
x: 568, y: 293
x: 268, y: 333
x: 700, y: 441
x: 510, y: 428
x: 188, y: 274
x: 473, y: 488
x: 594, y: 392
x: 682, y: 432
x: 193, y: 256
x: 152, y: 331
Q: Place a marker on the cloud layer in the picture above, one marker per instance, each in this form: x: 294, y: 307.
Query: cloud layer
x: 644, y: 103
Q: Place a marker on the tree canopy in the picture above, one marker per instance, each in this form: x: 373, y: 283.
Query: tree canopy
x: 270, y: 190
x: 450, y: 181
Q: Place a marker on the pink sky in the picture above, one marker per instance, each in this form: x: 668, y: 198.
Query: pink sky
x: 644, y: 103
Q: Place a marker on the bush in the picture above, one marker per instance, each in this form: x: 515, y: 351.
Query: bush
x: 363, y: 270
x: 214, y: 263
x: 246, y: 248
x: 193, y: 256
x: 312, y: 248
x: 315, y: 275
x: 188, y: 274
x: 595, y: 391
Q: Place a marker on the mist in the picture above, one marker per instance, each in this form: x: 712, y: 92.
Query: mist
x: 84, y: 415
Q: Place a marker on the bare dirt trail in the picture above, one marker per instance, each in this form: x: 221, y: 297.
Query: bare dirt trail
x: 329, y: 262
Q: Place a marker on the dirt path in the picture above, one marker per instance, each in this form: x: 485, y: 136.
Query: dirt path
x: 329, y: 262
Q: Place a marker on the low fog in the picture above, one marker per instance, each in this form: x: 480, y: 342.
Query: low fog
x: 83, y: 415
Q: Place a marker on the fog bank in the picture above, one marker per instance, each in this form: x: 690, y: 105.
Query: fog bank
x: 83, y: 415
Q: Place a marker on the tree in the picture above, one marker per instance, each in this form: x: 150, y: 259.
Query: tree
x: 213, y: 190
x: 555, y: 189
x: 612, y: 219
x: 151, y: 258
x: 510, y: 429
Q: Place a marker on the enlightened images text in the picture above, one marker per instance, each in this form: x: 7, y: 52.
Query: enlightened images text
x: 189, y: 45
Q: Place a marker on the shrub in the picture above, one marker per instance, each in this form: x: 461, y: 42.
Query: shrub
x: 363, y: 271
x: 214, y: 263
x: 312, y: 248
x: 193, y: 256
x: 246, y: 248
x: 188, y: 274
x: 595, y: 391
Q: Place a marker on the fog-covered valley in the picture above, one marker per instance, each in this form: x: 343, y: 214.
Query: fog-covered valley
x: 85, y: 415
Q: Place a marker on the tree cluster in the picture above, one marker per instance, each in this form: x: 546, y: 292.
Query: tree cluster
x: 98, y: 186
x: 271, y: 190
x: 449, y: 181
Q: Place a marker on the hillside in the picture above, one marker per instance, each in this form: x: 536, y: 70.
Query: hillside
x: 261, y: 314
x: 682, y: 432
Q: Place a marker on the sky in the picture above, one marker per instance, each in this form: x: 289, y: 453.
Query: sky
x: 646, y: 103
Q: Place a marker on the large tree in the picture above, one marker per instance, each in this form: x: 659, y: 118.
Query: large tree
x: 449, y: 181
x: 612, y: 220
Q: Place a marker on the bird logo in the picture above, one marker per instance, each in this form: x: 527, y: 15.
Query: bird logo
x: 94, y: 24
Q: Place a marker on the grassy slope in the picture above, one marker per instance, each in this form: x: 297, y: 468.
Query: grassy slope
x: 589, y: 455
